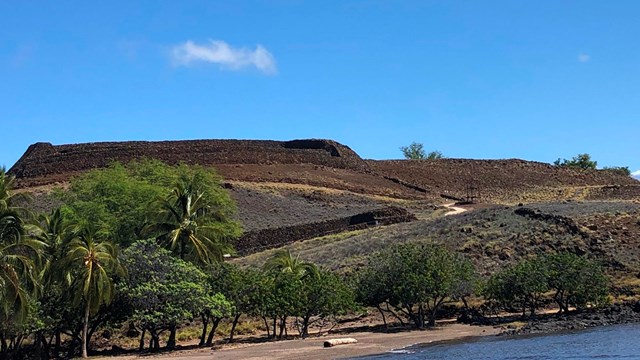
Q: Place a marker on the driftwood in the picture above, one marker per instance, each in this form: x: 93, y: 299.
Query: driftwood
x: 335, y: 342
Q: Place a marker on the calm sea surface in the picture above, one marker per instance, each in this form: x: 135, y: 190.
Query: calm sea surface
x: 612, y: 342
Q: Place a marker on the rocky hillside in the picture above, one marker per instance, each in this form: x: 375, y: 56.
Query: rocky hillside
x: 608, y: 232
x: 328, y: 164
x: 508, y: 181
x: 295, y: 190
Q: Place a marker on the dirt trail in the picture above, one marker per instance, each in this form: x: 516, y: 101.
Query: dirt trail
x: 455, y: 210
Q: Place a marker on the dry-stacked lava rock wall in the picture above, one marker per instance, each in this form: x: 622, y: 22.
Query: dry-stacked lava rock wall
x: 258, y: 240
x: 46, y: 163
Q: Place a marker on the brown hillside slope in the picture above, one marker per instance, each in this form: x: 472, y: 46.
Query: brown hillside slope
x: 509, y: 181
x: 328, y: 164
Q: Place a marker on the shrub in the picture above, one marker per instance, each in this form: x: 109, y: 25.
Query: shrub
x: 581, y: 161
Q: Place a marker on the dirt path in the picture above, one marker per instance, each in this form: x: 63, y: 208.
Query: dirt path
x: 369, y: 343
x: 455, y: 210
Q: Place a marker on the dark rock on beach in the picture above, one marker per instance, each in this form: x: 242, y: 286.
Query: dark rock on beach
x: 622, y: 313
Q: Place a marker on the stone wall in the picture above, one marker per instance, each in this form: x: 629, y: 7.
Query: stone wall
x: 259, y: 240
x: 45, y: 160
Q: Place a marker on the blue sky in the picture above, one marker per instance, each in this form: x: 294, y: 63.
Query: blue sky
x: 536, y: 80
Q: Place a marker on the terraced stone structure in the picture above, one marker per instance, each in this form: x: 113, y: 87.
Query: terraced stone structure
x: 44, y: 163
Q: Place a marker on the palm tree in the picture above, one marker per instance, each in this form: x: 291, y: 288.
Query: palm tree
x: 18, y: 266
x: 92, y: 262
x: 8, y: 197
x: 55, y: 231
x: 19, y: 256
x: 283, y: 261
x: 190, y: 226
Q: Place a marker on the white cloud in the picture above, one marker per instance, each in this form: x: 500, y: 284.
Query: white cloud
x: 221, y: 53
x: 584, y: 57
x: 636, y: 174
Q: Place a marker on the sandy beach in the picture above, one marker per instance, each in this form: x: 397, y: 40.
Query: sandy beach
x: 369, y: 343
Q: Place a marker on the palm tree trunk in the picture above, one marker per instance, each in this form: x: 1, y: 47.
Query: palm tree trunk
x: 182, y: 248
x: 85, y: 328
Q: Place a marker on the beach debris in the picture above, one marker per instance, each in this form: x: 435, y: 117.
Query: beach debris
x: 335, y: 342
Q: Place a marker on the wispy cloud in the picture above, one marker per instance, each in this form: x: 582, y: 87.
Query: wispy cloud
x: 223, y: 54
x: 636, y: 174
x: 582, y: 57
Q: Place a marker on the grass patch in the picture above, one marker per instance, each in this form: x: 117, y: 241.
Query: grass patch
x: 298, y: 247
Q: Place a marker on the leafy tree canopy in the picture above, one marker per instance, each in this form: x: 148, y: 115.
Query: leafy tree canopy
x: 322, y: 295
x: 574, y: 280
x: 581, y: 161
x: 414, y: 279
x: 416, y: 151
x: 520, y: 285
x: 125, y: 199
x: 164, y: 290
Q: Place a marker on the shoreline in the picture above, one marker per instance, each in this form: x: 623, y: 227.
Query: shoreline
x: 369, y: 343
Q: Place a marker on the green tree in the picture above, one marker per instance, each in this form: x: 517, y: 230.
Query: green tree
x: 416, y: 280
x: 19, y: 265
x: 193, y: 227
x: 283, y: 261
x: 415, y: 151
x: 435, y: 155
x: 216, y: 308
x: 8, y: 197
x: 126, y: 199
x: 248, y: 290
x: 581, y: 161
x: 164, y: 291
x: 576, y: 281
x: 323, y: 295
x: 521, y: 285
x: 287, y: 273
x: 372, y: 287
x: 54, y: 230
x: 285, y: 298
x: 118, y: 198
x: 92, y: 262
x: 19, y: 261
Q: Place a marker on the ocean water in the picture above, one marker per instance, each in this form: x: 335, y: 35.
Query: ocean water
x: 611, y: 342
